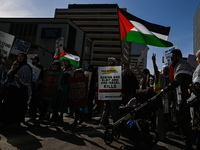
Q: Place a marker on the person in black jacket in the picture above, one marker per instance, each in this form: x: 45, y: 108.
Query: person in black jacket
x: 36, y: 90
x: 129, y: 84
x: 91, y: 92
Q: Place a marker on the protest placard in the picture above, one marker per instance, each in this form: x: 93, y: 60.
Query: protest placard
x: 77, y: 92
x: 20, y: 46
x: 6, y: 41
x: 110, y: 83
x: 51, y: 81
x: 167, y: 55
x: 35, y: 73
x: 59, y: 46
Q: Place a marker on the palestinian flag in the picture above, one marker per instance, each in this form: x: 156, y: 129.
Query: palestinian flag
x: 74, y: 60
x: 133, y: 29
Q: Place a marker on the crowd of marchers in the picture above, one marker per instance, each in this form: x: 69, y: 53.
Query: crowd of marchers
x: 20, y: 96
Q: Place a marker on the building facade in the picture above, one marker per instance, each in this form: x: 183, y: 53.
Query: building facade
x: 136, y: 51
x: 100, y: 23
x: 42, y: 34
x: 196, y: 31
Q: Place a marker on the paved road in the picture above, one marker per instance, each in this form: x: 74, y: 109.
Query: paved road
x: 65, y: 137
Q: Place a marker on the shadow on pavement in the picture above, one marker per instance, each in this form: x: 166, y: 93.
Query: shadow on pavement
x: 27, y: 137
x: 158, y: 147
x: 174, y: 144
x: 20, y: 138
x: 65, y: 132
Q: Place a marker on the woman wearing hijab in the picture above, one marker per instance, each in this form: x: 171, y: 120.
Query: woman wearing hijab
x: 55, y: 117
x: 18, y: 84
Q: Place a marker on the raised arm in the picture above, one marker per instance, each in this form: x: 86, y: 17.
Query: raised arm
x: 156, y: 72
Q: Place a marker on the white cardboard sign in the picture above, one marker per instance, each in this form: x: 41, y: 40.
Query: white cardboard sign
x: 109, y: 83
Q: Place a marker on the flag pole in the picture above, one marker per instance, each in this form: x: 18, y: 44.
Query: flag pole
x: 122, y: 59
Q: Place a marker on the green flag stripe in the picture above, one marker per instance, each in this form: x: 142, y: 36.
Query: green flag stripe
x: 137, y: 37
x: 73, y: 62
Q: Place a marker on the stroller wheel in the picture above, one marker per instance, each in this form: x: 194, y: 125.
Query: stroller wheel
x: 144, y: 141
x: 108, y: 137
x: 154, y: 136
x: 115, y: 135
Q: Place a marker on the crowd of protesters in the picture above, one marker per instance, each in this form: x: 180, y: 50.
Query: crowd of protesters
x: 20, y: 96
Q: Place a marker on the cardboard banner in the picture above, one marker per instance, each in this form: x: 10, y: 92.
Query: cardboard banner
x: 59, y: 46
x: 51, y: 81
x: 77, y: 94
x: 167, y: 55
x: 6, y: 41
x: 35, y: 73
x: 20, y: 46
x: 110, y: 83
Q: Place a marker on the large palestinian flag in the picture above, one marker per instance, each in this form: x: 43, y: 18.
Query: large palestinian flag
x: 74, y: 60
x: 133, y: 29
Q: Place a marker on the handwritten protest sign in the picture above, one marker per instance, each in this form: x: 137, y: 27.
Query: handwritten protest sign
x: 77, y: 93
x: 6, y: 41
x: 20, y: 46
x: 167, y: 55
x: 110, y: 83
x: 51, y: 81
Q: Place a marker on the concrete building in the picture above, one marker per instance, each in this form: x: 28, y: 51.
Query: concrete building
x: 100, y: 23
x: 196, y: 31
x: 136, y: 51
x: 42, y: 34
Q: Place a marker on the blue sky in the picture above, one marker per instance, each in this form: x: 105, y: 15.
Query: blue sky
x: 178, y: 14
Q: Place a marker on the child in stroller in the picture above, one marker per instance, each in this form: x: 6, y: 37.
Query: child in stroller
x: 135, y: 124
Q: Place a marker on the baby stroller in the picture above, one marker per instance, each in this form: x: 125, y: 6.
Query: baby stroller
x: 134, y: 124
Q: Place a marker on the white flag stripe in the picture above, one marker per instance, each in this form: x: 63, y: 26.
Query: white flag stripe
x: 73, y: 57
x: 141, y: 28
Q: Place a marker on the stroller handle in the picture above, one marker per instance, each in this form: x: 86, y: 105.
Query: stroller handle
x: 156, y: 96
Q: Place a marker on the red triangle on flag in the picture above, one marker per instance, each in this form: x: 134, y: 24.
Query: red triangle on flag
x: 124, y: 24
x: 63, y: 53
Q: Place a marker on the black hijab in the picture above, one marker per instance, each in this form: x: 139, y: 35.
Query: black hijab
x: 24, y: 62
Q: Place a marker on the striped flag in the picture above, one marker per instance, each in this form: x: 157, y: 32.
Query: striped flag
x: 133, y: 29
x: 74, y: 60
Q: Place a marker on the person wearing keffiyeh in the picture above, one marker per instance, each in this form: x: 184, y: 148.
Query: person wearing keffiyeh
x: 161, y: 81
